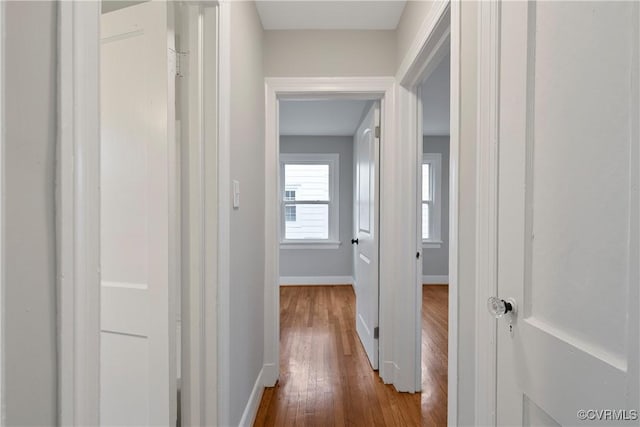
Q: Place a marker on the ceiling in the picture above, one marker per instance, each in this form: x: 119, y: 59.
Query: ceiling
x: 330, y: 15
x: 321, y: 118
x: 436, y: 100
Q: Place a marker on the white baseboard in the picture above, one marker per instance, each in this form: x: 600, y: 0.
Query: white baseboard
x: 270, y: 374
x: 435, y: 280
x: 387, y: 371
x: 316, y: 280
x: 251, y: 410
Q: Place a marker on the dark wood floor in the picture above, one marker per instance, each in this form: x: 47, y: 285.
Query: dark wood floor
x: 325, y: 376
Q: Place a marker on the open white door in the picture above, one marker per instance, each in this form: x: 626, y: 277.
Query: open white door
x: 367, y: 149
x: 137, y: 367
x: 568, y: 213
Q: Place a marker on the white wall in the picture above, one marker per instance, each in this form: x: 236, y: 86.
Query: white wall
x: 246, y: 305
x: 435, y: 261
x: 30, y: 318
x: 323, y: 53
x: 324, y: 262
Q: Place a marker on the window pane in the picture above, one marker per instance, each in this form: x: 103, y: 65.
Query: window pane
x: 290, y: 213
x: 309, y: 222
x: 426, y: 182
x: 426, y: 230
x: 308, y: 182
x: 289, y: 195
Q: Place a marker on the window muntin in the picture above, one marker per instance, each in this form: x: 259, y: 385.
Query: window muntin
x: 289, y: 195
x: 309, y: 187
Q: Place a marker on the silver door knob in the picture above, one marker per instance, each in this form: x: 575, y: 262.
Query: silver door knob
x: 499, y: 307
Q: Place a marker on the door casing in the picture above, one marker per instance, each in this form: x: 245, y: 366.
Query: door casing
x: 362, y: 88
x: 2, y: 268
x: 487, y: 210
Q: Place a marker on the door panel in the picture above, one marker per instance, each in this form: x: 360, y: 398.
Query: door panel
x: 137, y: 367
x: 567, y: 201
x: 367, y: 184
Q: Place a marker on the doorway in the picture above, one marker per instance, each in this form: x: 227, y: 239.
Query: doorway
x: 329, y: 202
x: 430, y: 95
x: 340, y: 320
x: 329, y: 195
x: 280, y: 91
x: 434, y: 237
x: 82, y: 320
x: 156, y: 171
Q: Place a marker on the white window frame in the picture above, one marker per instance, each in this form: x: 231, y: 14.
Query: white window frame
x: 435, y: 219
x: 333, y: 160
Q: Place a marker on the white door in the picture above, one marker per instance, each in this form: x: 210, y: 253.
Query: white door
x: 568, y: 213
x: 137, y: 366
x: 367, y: 150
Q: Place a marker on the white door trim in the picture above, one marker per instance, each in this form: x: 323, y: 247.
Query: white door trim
x: 2, y: 270
x: 326, y: 88
x: 224, y: 217
x: 200, y: 263
x: 487, y: 210
x: 442, y: 24
x: 78, y: 213
x: 211, y: 193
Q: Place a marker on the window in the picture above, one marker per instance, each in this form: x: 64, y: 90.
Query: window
x: 431, y: 199
x: 309, y: 189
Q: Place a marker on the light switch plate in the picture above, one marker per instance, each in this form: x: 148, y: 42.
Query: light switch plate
x: 236, y: 194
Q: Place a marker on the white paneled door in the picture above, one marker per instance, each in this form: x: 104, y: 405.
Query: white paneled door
x: 137, y: 366
x: 367, y: 148
x: 568, y: 214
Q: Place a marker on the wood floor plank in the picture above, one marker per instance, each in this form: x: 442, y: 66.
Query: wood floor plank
x: 326, y: 378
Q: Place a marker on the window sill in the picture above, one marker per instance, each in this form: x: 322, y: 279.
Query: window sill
x: 432, y: 244
x: 310, y: 244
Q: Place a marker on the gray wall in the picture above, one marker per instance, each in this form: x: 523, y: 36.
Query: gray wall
x: 435, y: 261
x: 324, y: 262
x: 246, y: 309
x: 30, y: 294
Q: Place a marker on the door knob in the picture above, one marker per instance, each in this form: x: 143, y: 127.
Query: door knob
x: 354, y: 241
x: 499, y: 307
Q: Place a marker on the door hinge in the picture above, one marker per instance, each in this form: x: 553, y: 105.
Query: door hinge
x: 377, y: 131
x: 376, y: 332
x: 178, y: 60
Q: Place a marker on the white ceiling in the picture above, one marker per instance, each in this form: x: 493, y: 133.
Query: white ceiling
x: 321, y: 118
x: 330, y: 15
x: 436, y: 100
